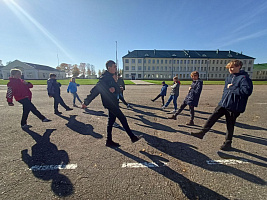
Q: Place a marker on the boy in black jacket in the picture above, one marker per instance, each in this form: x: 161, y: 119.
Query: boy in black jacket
x: 238, y: 87
x: 53, y: 89
x: 109, y: 91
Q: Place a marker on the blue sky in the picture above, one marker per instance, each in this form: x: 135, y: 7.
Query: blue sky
x: 86, y: 31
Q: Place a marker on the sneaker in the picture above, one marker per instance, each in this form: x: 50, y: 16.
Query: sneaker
x: 163, y: 107
x: 112, y: 144
x: 136, y: 138
x: 68, y: 109
x: 58, y: 113
x: 74, y: 105
x: 25, y: 126
x: 190, y: 123
x: 226, y: 146
x: 47, y: 120
x: 116, y: 125
x: 199, y: 134
x: 172, y: 117
x: 152, y: 100
x: 129, y: 106
x: 174, y: 111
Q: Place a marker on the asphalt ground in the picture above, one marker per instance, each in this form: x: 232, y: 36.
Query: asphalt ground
x: 167, y: 163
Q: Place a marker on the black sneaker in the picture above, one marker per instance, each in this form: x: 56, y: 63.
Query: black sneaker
x: 190, y: 123
x: 172, y: 117
x: 199, y: 134
x: 68, y: 109
x: 58, y: 113
x: 226, y: 146
x: 25, y: 127
x: 136, y: 138
x: 112, y: 144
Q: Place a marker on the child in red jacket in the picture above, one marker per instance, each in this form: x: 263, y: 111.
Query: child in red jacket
x: 20, y: 89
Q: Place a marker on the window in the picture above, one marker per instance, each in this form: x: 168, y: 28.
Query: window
x: 221, y: 62
x: 213, y: 62
x: 220, y: 68
x: 249, y: 68
x: 133, y: 60
x: 157, y: 68
x: 173, y: 68
x: 192, y: 62
x: 139, y: 76
x: 245, y: 62
x: 148, y: 68
x: 153, y: 68
x: 149, y: 61
x: 157, y: 61
x: 181, y: 61
x: 127, y: 75
x: 166, y: 61
x: 170, y: 68
x: 133, y: 67
x: 153, y: 61
x: 126, y: 67
x: 126, y: 60
x: 187, y: 75
x: 139, y: 60
x: 144, y: 68
x: 174, y: 61
x: 184, y: 68
x: 170, y: 61
x: 211, y: 75
x: 250, y: 62
x: 161, y: 68
x: 216, y: 69
x: 139, y: 68
x: 217, y: 62
x: 166, y: 68
x: 212, y: 69
x: 161, y: 61
x: 201, y: 69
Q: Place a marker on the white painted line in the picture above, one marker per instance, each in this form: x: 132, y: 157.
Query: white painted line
x: 226, y: 162
x: 145, y: 164
x: 52, y: 167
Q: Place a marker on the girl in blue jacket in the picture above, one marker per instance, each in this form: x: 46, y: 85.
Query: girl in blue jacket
x: 72, y: 88
x: 192, y: 98
x: 238, y: 87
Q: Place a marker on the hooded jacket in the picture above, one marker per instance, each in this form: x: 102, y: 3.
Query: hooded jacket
x: 109, y: 100
x: 18, y: 89
x: 72, y: 88
x: 53, y: 87
x: 163, y: 90
x: 193, y: 95
x: 236, y: 96
x: 175, y: 88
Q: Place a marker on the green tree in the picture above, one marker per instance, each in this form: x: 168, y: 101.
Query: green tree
x: 75, y: 71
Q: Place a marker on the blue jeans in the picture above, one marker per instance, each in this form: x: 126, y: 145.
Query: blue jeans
x: 174, y: 98
x: 75, y: 95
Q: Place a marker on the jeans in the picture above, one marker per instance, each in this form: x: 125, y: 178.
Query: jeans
x: 59, y: 100
x: 27, y: 108
x: 230, y: 121
x: 114, y: 113
x: 174, y: 98
x: 75, y: 95
x: 122, y: 99
x: 192, y: 111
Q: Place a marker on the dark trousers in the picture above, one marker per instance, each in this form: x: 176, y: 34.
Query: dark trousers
x: 27, y: 108
x: 114, y: 113
x: 122, y: 99
x: 230, y: 121
x: 191, y: 108
x: 59, y: 100
x: 162, y: 98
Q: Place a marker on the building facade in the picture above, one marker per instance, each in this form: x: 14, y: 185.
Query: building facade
x: 31, y: 71
x: 260, y: 72
x: 164, y: 64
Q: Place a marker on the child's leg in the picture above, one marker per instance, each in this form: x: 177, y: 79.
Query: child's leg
x: 78, y: 98
x: 169, y: 101
x: 56, y: 102
x: 26, y: 111
x: 192, y: 112
x: 181, y: 109
x: 156, y: 98
x: 62, y: 103
x: 122, y: 99
x: 175, y: 102
x: 162, y: 99
x: 35, y: 111
x: 74, y: 97
x: 230, y: 123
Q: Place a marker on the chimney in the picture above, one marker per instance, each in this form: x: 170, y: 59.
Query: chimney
x: 154, y: 51
x: 217, y: 52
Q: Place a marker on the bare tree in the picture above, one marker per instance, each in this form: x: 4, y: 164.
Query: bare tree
x: 82, y: 69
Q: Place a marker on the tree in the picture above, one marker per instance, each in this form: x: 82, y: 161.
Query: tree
x: 82, y: 69
x: 88, y: 67
x: 65, y: 67
x: 93, y: 70
x: 75, y: 70
x: 99, y: 73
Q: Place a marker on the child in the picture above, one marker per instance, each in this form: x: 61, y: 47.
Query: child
x: 53, y: 88
x: 20, y: 89
x: 121, y: 85
x: 162, y: 93
x: 192, y: 97
x: 72, y: 88
x: 238, y: 87
x: 174, y: 94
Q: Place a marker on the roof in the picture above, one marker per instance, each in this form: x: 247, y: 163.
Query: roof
x: 186, y: 54
x: 41, y: 67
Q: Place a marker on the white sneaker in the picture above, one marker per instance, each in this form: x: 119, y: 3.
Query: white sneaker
x: 163, y: 107
x: 174, y: 111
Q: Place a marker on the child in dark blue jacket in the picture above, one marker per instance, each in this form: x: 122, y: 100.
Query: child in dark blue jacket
x: 53, y: 89
x: 72, y: 88
x: 238, y: 87
x: 162, y: 93
x: 192, y: 98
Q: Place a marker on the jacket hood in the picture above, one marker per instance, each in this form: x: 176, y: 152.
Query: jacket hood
x: 242, y: 72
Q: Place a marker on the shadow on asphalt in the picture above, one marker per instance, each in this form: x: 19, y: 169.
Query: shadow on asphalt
x: 190, y: 189
x: 46, y: 153
x: 96, y: 113
x: 188, y: 153
x: 79, y: 127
